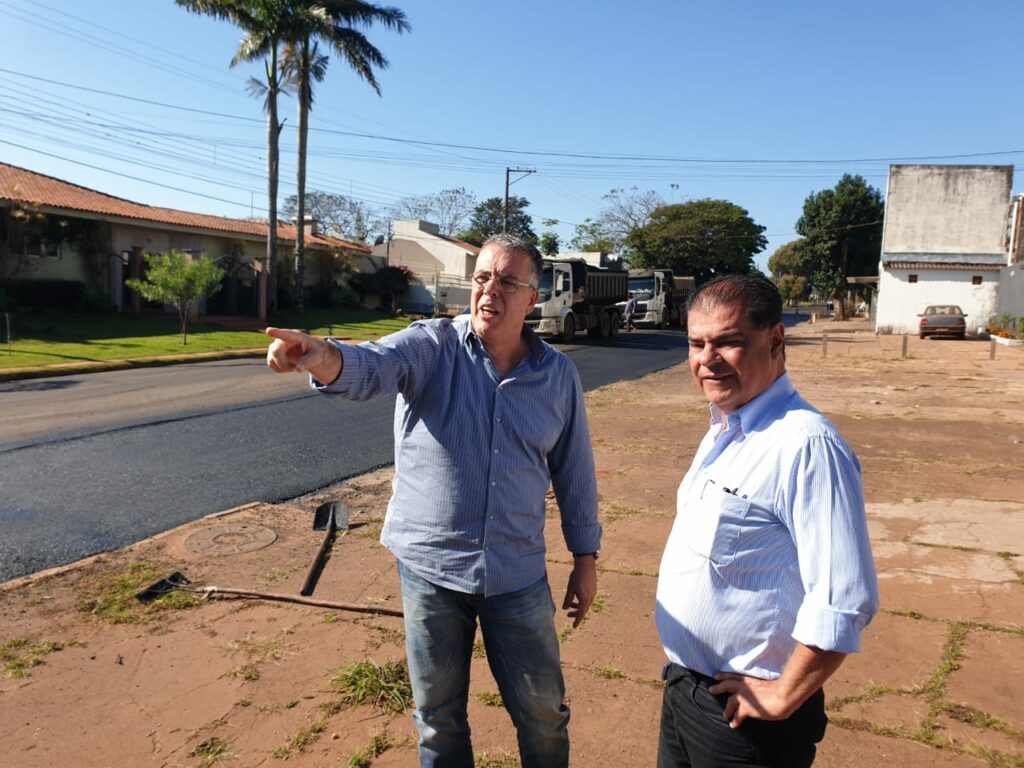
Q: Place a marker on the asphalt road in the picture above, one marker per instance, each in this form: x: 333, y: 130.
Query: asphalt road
x: 93, y: 462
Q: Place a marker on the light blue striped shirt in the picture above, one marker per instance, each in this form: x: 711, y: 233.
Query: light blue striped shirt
x: 770, y: 542
x: 475, y: 454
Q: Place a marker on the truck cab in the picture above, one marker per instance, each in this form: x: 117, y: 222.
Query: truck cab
x: 575, y: 296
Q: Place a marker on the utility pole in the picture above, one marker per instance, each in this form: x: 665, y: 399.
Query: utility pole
x: 525, y: 172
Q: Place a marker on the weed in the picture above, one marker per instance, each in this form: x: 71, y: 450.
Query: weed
x: 257, y: 649
x: 306, y: 736
x: 291, y: 704
x: 330, y: 618
x: 598, y: 605
x: 276, y: 574
x: 564, y: 635
x: 247, y: 672
x: 610, y: 673
x: 501, y: 760
x: 20, y: 655
x: 211, y: 750
x: 490, y: 699
x: 379, y: 744
x: 385, y: 686
x: 111, y: 596
x: 479, y: 652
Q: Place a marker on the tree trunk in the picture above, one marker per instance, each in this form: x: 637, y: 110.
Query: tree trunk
x: 303, y: 132
x: 273, y: 133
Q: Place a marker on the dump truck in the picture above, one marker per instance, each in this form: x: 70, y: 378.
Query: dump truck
x: 576, y: 296
x: 660, y: 297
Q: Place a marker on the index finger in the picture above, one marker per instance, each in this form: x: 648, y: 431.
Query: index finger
x: 284, y: 334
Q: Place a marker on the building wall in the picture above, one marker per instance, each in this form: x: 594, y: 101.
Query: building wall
x: 947, y: 209
x: 900, y: 301
x: 1011, y: 290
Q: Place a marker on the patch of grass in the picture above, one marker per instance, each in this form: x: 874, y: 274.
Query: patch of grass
x: 565, y: 634
x: 110, y: 596
x: 479, y: 652
x: 385, y: 686
x: 378, y: 745
x: 330, y: 618
x: 211, y: 750
x: 497, y: 760
x: 306, y: 736
x: 19, y: 655
x: 599, y: 603
x: 247, y: 672
x: 276, y: 574
x: 256, y: 648
x: 610, y: 673
x: 490, y: 699
x: 56, y: 336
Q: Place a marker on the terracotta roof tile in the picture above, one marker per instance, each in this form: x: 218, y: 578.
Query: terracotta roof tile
x: 23, y: 186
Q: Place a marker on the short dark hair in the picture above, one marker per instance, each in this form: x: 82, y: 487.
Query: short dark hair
x: 506, y: 241
x: 757, y: 296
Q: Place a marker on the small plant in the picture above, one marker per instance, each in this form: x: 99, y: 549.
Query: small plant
x: 20, y: 655
x: 610, y: 673
x: 247, y: 672
x: 212, y: 750
x: 385, y: 686
x: 110, y: 597
x: 500, y: 760
x: 379, y: 744
x: 490, y: 699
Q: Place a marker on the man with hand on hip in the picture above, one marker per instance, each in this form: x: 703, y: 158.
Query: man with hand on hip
x: 487, y: 416
x: 767, y: 579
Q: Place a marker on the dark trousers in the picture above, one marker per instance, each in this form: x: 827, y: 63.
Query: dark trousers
x: 694, y: 734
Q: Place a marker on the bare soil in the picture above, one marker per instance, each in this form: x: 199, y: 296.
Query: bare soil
x: 86, y: 680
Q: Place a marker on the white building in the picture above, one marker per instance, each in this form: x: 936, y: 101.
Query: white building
x: 947, y: 240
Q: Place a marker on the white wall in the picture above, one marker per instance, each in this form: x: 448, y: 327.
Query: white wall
x: 1011, y: 290
x: 900, y: 301
x: 947, y: 209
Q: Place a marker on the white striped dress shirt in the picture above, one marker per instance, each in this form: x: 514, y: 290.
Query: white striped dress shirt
x: 770, y: 543
x: 475, y: 454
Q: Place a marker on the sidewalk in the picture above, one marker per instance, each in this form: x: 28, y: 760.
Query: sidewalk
x: 940, y: 434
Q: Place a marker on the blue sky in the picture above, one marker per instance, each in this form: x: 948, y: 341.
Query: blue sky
x: 757, y: 103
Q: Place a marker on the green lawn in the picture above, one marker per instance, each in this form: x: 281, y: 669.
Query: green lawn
x: 54, y: 337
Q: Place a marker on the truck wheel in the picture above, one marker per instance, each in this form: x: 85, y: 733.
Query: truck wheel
x: 663, y: 322
x: 613, y: 324
x: 568, y: 329
x: 601, y: 328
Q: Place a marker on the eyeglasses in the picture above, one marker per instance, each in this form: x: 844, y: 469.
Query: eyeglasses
x: 507, y: 283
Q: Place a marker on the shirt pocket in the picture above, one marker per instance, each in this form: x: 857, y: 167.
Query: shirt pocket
x: 714, y: 524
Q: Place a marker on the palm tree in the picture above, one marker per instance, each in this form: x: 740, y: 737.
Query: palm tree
x: 266, y: 26
x: 333, y: 22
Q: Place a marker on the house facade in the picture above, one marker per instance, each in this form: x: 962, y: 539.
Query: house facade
x: 946, y: 240
x: 57, y: 231
x: 442, y: 266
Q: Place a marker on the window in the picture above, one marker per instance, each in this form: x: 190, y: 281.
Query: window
x: 41, y: 248
x: 912, y: 279
x: 976, y: 280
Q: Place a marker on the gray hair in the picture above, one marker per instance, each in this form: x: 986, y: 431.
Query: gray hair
x: 505, y: 241
x: 757, y: 297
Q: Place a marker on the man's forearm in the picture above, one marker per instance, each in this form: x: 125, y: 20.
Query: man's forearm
x: 806, y: 671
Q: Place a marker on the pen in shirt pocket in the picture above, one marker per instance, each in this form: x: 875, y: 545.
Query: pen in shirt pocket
x: 731, y: 491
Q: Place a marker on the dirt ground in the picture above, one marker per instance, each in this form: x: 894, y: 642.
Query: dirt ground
x: 91, y: 678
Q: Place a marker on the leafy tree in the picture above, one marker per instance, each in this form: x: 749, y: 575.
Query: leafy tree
x: 489, y: 216
x: 341, y: 216
x: 334, y: 22
x: 549, y: 244
x: 450, y: 209
x: 592, y: 236
x: 627, y: 213
x: 792, y: 287
x: 266, y: 26
x: 703, y: 238
x: 788, y: 259
x: 387, y: 283
x: 177, y: 279
x: 842, y: 230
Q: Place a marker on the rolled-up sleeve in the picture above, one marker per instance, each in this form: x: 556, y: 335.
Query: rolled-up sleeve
x: 827, y: 519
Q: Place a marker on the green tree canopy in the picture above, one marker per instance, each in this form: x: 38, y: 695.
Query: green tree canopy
x: 549, y: 243
x: 177, y: 279
x: 488, y: 217
x: 592, y: 236
x: 842, y: 230
x: 703, y: 238
x: 788, y: 259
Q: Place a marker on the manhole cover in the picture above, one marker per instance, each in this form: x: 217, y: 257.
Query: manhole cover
x: 230, y: 539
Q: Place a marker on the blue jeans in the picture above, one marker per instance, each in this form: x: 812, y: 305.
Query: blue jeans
x: 694, y: 734
x: 522, y: 651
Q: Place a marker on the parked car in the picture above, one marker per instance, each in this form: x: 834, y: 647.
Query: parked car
x: 943, y: 320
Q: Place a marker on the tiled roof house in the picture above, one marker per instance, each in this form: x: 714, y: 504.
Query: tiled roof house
x: 128, y: 229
